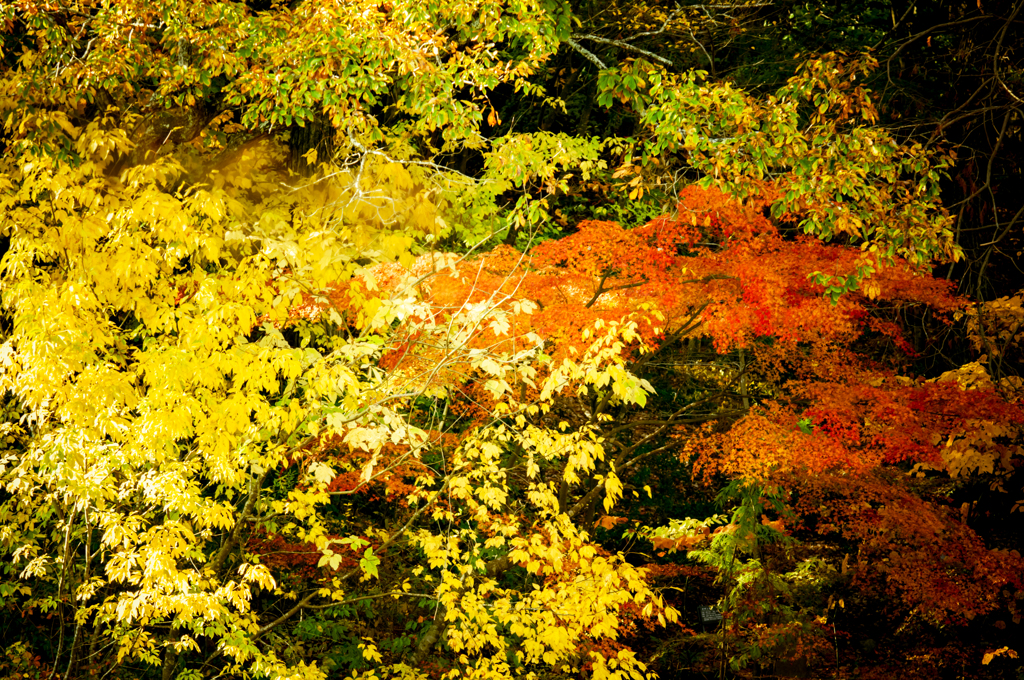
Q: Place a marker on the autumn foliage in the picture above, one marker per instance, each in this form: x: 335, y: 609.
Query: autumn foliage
x: 306, y: 373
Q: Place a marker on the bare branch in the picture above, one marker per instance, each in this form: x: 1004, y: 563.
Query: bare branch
x: 624, y: 45
x: 737, y: 5
x: 590, y: 56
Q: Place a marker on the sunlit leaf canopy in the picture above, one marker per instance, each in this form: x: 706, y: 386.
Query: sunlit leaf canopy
x: 252, y: 278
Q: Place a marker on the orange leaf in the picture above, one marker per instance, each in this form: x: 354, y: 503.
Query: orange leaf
x: 660, y: 542
x: 987, y: 659
x: 778, y: 524
x: 609, y: 522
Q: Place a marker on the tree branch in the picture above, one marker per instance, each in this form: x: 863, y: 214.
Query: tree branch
x: 601, y: 290
x: 587, y: 54
x: 231, y: 541
x: 624, y: 45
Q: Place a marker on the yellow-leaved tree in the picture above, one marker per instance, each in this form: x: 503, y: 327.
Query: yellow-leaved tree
x: 183, y: 339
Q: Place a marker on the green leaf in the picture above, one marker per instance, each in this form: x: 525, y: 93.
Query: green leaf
x: 368, y: 563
